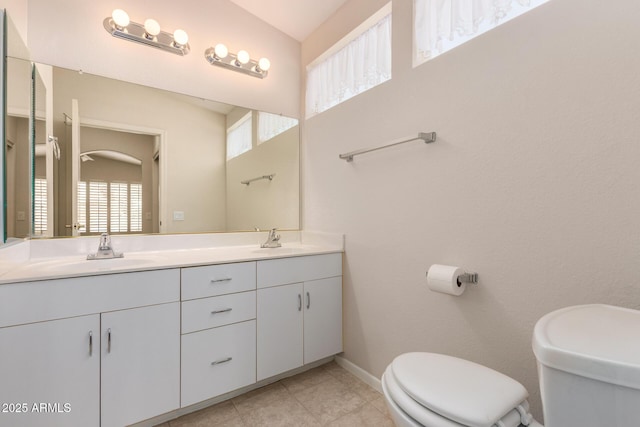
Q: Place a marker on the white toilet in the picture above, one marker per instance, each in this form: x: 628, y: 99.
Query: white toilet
x: 588, y: 365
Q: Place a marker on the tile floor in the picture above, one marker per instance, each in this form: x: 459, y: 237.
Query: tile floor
x: 324, y: 396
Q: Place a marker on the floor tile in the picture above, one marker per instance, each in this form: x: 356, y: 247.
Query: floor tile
x: 329, y: 400
x: 222, y: 414
x: 327, y: 395
x: 307, y: 379
x: 380, y: 404
x: 286, y: 412
x: 266, y: 397
x: 269, y: 390
x: 365, y: 391
x: 365, y: 416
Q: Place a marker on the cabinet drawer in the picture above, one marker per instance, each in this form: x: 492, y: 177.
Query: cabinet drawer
x: 212, y: 280
x: 59, y: 298
x: 218, y: 311
x: 298, y: 269
x: 217, y: 361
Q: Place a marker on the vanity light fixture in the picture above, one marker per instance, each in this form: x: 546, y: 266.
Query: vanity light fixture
x: 242, y: 62
x: 119, y: 25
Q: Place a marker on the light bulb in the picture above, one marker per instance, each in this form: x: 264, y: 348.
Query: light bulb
x: 264, y: 64
x: 221, y: 51
x: 120, y: 18
x: 180, y: 37
x: 152, y: 27
x: 243, y: 57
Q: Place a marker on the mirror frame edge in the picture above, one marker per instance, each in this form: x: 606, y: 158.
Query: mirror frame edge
x: 3, y: 109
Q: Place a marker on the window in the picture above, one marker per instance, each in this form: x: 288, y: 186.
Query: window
x: 40, y: 206
x: 357, y: 63
x: 136, y: 208
x: 271, y: 125
x: 82, y: 206
x: 98, y: 203
x: 119, y: 201
x: 439, y: 26
x: 113, y: 206
x: 239, y: 137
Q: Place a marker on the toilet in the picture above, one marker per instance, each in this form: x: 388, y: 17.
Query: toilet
x: 588, y: 360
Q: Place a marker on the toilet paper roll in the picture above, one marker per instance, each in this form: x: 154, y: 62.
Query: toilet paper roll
x: 444, y: 278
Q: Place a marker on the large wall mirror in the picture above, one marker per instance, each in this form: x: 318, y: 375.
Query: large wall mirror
x: 87, y: 154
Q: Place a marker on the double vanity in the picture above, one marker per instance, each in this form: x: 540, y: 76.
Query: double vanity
x: 163, y: 332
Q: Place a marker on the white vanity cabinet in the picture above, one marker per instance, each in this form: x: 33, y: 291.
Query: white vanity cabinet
x: 218, y: 330
x: 53, y: 363
x: 299, y: 312
x: 55, y: 353
x: 119, y: 348
x: 140, y: 373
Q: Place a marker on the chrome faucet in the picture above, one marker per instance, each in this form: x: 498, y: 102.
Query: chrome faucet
x: 105, y: 250
x: 273, y: 241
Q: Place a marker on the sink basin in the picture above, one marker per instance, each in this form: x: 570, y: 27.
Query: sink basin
x: 76, y: 265
x: 284, y: 250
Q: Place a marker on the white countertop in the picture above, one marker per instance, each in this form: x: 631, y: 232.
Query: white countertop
x: 15, y: 266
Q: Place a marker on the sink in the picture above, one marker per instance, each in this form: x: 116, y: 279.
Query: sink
x: 283, y: 250
x: 82, y: 265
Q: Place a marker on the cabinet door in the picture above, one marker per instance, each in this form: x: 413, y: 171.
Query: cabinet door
x: 279, y: 329
x: 140, y: 363
x: 322, y: 318
x: 50, y: 372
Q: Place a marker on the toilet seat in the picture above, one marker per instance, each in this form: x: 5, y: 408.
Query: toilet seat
x: 419, y: 415
x: 443, y: 391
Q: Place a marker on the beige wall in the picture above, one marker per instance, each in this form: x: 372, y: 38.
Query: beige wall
x: 194, y: 138
x: 265, y: 204
x: 532, y: 183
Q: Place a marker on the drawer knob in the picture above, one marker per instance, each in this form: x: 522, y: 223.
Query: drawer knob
x: 224, y: 310
x: 218, y: 362
x: 226, y: 279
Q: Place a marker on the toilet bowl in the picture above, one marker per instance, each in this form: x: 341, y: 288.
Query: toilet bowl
x: 588, y: 365
x: 435, y: 390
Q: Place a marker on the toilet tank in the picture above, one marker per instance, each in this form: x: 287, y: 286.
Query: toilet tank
x: 589, y: 366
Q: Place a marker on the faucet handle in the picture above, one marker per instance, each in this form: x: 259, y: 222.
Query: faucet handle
x: 272, y: 240
x: 105, y: 241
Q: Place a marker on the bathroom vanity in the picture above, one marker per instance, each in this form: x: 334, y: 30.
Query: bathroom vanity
x: 119, y: 344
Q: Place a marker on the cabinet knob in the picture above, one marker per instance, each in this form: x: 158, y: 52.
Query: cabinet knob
x: 308, y: 301
x: 226, y: 279
x: 224, y: 310
x: 109, y: 340
x: 299, y: 302
x: 90, y: 343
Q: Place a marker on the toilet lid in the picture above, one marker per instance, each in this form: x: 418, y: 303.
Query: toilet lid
x: 460, y: 390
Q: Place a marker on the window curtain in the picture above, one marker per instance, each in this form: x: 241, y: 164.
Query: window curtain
x: 362, y: 64
x: 270, y: 125
x: 437, y: 22
x: 239, y: 137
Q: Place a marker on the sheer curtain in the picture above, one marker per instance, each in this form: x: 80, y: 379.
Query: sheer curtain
x: 239, y: 137
x: 270, y: 125
x: 362, y: 64
x: 440, y: 25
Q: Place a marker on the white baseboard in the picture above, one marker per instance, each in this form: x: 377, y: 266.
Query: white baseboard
x: 360, y: 373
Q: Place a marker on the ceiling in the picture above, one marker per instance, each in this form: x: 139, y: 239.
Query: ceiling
x: 296, y: 18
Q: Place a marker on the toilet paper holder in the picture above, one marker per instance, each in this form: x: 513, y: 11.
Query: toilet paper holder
x: 467, y: 278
